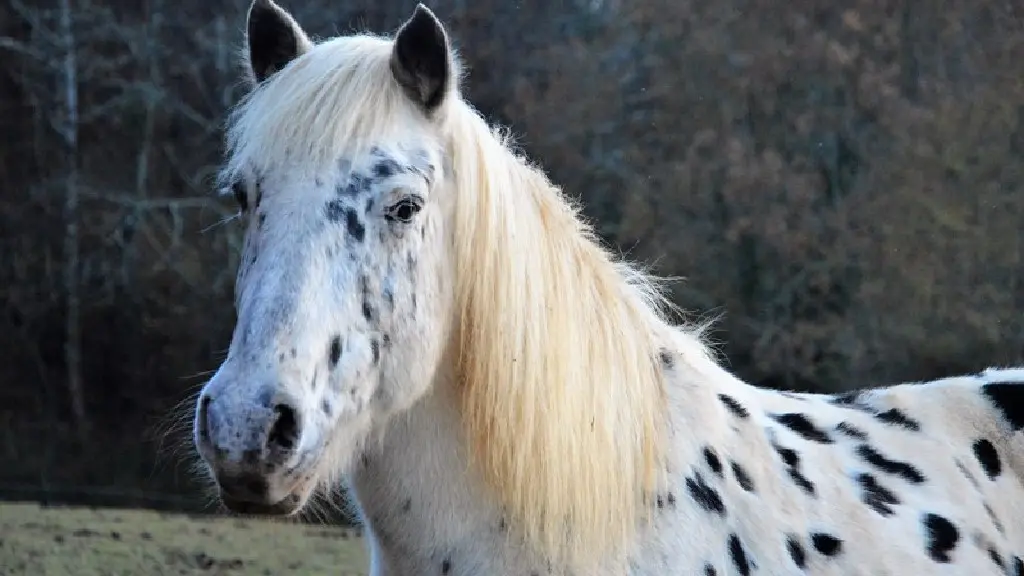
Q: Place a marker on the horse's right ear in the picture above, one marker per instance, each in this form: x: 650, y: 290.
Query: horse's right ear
x: 273, y: 39
x: 421, y: 59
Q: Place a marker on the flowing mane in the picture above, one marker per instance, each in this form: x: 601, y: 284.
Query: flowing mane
x: 562, y: 395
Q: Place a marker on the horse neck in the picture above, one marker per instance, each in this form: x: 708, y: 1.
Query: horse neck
x: 417, y: 493
x: 415, y: 489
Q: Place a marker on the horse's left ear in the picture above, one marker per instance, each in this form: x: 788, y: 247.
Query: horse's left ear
x: 421, y: 59
x: 273, y: 39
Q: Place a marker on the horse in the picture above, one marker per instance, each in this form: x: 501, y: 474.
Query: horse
x: 425, y: 318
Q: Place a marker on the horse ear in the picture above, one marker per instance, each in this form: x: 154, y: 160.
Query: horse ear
x: 273, y: 39
x: 421, y: 59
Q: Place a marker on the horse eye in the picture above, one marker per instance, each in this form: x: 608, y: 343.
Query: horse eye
x: 403, y: 210
x: 238, y: 189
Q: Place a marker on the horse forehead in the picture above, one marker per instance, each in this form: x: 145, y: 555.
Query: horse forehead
x: 382, y: 163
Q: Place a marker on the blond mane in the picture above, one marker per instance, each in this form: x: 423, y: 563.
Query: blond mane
x: 562, y: 396
x: 561, y: 391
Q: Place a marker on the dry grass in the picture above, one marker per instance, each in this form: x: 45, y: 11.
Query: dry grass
x: 41, y: 541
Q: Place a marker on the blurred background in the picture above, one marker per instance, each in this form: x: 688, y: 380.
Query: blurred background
x: 842, y: 183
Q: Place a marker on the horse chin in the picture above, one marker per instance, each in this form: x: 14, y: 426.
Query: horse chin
x: 287, y: 507
x: 290, y: 505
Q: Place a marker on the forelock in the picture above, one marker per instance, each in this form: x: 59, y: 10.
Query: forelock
x: 335, y: 101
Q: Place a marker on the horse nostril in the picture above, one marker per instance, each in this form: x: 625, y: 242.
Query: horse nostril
x: 284, y: 433
x: 203, y: 418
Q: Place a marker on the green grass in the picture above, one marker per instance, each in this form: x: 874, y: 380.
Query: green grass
x: 53, y: 541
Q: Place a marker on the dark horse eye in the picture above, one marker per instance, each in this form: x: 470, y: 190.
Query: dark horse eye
x: 403, y: 210
x: 238, y: 189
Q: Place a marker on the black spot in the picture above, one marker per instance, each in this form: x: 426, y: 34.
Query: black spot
x: 1018, y: 567
x: 375, y: 349
x: 446, y: 566
x: 801, y: 425
x: 904, y: 470
x: 666, y: 358
x: 801, y: 481
x: 796, y: 551
x: 386, y: 168
x: 986, y: 454
x: 357, y: 184
x: 671, y: 499
x: 335, y: 353
x: 789, y: 456
x: 876, y: 496
x: 334, y: 211
x: 742, y: 477
x: 407, y: 505
x: 1009, y: 398
x: 792, y: 461
x: 705, y: 496
x: 896, y: 417
x: 826, y: 544
x: 325, y: 406
x: 712, y: 459
x: 967, y: 474
x: 368, y: 311
x: 851, y: 431
x: 386, y: 339
x: 262, y: 220
x: 738, y: 555
x: 996, y: 558
x: 369, y: 205
x: 709, y: 570
x: 660, y: 502
x: 994, y: 518
x: 735, y: 407
x: 354, y: 225
x: 940, y: 537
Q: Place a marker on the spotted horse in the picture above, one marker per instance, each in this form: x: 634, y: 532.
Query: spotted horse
x: 426, y: 319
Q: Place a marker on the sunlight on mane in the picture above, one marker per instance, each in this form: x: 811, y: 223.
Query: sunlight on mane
x: 561, y: 390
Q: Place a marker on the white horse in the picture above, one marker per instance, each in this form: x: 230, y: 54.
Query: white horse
x: 423, y: 315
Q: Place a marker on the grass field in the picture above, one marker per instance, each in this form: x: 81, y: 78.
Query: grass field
x: 53, y: 541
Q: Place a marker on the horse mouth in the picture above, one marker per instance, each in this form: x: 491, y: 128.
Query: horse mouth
x: 287, y: 506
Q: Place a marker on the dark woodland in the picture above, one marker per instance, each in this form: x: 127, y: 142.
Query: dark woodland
x: 841, y: 185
